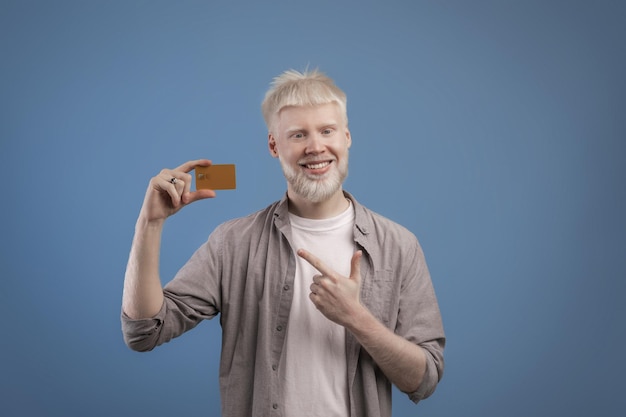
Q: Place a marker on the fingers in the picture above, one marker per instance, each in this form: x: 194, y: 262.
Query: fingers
x: 318, y: 289
x: 190, y: 165
x: 320, y: 284
x: 174, y: 183
x: 355, y: 266
x: 315, y: 262
x: 191, y: 196
x: 170, y: 190
x: 180, y: 180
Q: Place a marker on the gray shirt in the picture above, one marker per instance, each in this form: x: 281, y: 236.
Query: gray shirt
x: 245, y: 272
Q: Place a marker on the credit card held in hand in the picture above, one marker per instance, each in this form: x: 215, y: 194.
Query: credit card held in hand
x: 216, y: 177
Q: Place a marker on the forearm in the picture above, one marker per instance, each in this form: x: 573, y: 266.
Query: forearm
x: 143, y: 293
x: 403, y: 362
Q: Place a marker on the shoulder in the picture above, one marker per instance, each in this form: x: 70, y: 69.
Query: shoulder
x: 252, y: 224
x: 384, y: 224
x: 372, y: 223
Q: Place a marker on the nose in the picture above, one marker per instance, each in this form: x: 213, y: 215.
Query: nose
x: 315, y: 144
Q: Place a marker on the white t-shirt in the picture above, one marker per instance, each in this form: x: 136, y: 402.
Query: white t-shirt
x: 313, y: 365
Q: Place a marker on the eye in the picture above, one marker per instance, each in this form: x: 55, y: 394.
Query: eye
x: 327, y: 131
x: 297, y: 135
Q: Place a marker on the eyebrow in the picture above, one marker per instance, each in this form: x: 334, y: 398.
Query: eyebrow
x: 293, y: 130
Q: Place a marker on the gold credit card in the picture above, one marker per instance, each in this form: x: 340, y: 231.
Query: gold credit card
x: 216, y: 177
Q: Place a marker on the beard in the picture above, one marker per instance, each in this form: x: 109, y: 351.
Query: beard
x: 316, y: 188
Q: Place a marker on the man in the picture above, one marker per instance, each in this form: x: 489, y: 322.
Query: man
x: 323, y: 303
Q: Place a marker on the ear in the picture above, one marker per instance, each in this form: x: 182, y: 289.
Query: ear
x: 271, y: 144
x: 348, y: 138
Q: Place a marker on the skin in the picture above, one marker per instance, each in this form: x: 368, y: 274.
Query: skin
x: 143, y: 293
x: 312, y: 134
x: 298, y: 136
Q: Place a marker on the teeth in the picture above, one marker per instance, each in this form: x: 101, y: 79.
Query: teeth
x: 317, y: 166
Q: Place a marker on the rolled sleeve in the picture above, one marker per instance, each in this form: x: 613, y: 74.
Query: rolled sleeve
x: 142, y: 335
x: 192, y: 296
x: 434, y: 370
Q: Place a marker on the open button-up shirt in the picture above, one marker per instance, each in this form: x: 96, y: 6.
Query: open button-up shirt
x: 245, y: 273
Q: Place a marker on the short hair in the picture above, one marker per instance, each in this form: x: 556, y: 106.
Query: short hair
x: 308, y: 88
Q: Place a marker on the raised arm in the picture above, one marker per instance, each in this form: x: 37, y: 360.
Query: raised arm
x: 167, y: 193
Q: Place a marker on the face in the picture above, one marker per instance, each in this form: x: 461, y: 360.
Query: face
x: 312, y: 145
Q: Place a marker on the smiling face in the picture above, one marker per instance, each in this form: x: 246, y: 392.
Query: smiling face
x: 312, y: 145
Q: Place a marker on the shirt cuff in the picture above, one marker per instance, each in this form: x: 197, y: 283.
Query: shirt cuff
x: 429, y: 381
x: 141, y: 334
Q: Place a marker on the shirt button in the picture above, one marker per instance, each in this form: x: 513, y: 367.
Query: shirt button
x: 274, y: 367
x: 279, y: 328
x: 274, y: 406
x: 286, y: 287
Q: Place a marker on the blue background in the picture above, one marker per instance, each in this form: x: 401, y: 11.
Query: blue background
x: 494, y: 130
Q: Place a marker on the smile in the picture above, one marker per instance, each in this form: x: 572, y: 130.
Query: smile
x: 318, y: 165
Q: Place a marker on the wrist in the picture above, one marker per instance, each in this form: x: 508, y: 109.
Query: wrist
x: 145, y: 224
x: 361, y: 321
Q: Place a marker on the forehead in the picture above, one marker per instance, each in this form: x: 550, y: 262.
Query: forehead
x: 290, y: 116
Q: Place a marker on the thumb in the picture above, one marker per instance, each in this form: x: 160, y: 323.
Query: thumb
x: 355, y: 266
x: 191, y: 197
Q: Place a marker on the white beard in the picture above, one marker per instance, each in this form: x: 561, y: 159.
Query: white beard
x: 316, y: 188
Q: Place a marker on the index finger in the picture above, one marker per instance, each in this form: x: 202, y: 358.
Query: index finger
x: 190, y: 165
x: 316, y: 262
x: 191, y: 196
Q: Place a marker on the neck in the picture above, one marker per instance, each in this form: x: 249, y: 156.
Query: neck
x: 331, y: 207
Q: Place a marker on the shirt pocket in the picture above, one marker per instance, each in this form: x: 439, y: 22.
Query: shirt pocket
x: 381, y: 296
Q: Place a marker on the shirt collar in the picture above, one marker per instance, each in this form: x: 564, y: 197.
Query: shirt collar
x: 362, y: 221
